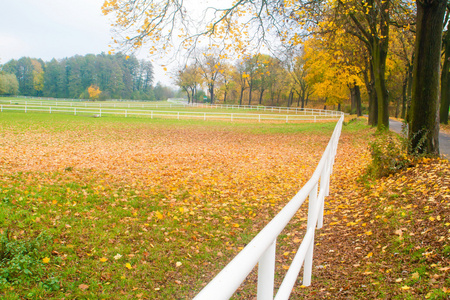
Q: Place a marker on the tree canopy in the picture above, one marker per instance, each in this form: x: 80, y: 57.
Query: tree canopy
x: 118, y: 76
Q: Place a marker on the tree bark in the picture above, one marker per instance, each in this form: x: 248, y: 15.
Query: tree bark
x: 424, y: 123
x: 352, y: 99
x: 261, y: 96
x: 211, y: 92
x: 445, y: 80
x: 373, y: 101
x: 358, y: 101
x: 242, y: 95
x: 379, y: 55
x: 250, y: 92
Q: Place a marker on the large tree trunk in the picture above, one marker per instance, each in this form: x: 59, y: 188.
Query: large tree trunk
x: 379, y: 55
x: 445, y: 80
x: 405, y: 109
x: 424, y: 123
x: 373, y: 103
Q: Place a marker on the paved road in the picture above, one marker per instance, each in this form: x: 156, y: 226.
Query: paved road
x: 444, y: 139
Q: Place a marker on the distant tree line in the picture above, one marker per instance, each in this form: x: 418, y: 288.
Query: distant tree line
x: 118, y: 76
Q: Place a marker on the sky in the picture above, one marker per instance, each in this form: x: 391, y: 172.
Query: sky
x: 50, y: 29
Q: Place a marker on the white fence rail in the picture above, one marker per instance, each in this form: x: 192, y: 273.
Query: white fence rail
x: 261, y: 250
x: 158, y: 105
x: 270, y: 115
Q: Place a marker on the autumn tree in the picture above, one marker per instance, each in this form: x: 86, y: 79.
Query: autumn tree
x: 210, y: 66
x: 94, y: 92
x: 333, y: 72
x: 402, y: 55
x: 227, y: 84
x: 8, y: 84
x: 241, y: 78
x: 424, y: 122
x: 188, y: 79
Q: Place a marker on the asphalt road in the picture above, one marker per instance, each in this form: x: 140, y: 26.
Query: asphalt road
x: 444, y: 139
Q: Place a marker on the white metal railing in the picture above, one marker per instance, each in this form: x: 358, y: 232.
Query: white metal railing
x: 312, y: 115
x: 261, y: 250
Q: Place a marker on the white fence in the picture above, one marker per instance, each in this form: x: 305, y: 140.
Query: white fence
x: 173, y: 104
x: 271, y: 113
x: 261, y: 250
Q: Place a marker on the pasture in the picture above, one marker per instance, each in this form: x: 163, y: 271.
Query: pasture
x: 138, y: 208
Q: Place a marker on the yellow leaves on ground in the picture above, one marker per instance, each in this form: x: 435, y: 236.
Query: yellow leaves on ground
x: 128, y: 266
x: 46, y: 260
x: 159, y: 215
x: 103, y: 259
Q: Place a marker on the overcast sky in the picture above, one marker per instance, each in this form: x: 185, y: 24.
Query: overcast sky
x: 56, y: 29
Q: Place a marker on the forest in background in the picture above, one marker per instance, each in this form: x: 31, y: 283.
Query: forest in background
x: 118, y: 76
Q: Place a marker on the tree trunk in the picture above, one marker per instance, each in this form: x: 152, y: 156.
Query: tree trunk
x: 424, y: 123
x: 211, y: 92
x: 379, y: 55
x: 409, y: 89
x: 404, y: 97
x: 291, y: 95
x: 225, y: 97
x: 358, y: 101
x: 242, y: 95
x: 260, y: 96
x: 445, y: 80
x: 352, y: 98
x: 373, y: 101
x: 250, y: 93
x: 187, y: 92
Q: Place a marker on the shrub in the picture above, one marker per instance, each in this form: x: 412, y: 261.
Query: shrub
x: 389, y: 155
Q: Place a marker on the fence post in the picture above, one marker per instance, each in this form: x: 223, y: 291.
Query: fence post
x: 204, y: 116
x: 100, y: 111
x: 311, y: 225
x: 178, y: 115
x: 25, y: 108
x: 266, y: 273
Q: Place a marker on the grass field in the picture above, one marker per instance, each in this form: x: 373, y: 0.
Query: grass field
x: 133, y: 208
x: 113, y: 208
x: 164, y: 109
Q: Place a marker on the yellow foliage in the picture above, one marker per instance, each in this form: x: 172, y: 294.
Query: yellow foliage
x: 94, y: 92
